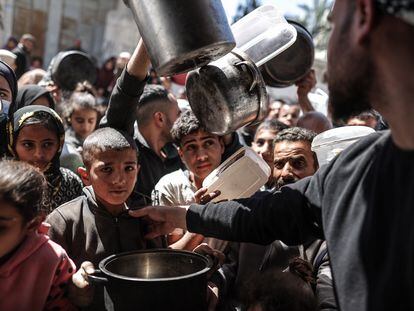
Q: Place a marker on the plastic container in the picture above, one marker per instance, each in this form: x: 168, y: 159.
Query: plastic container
x: 329, y: 144
x: 240, y: 176
x: 263, y: 34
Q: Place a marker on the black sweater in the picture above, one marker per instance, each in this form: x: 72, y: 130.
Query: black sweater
x: 362, y: 204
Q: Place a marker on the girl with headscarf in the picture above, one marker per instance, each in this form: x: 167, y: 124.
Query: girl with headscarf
x: 36, y: 135
x: 32, y: 95
x: 8, y: 93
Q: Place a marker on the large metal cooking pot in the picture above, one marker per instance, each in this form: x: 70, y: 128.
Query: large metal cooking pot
x: 159, y: 279
x: 293, y: 64
x: 181, y: 35
x: 227, y: 94
x: 69, y: 68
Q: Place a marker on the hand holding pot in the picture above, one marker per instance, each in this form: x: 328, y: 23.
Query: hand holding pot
x: 80, y: 291
x: 162, y: 219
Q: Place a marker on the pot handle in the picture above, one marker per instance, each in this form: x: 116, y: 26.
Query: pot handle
x: 97, y: 279
x: 253, y: 72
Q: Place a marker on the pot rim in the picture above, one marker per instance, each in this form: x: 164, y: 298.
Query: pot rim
x: 107, y: 260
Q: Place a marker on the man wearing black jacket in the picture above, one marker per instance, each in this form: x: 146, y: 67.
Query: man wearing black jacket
x: 362, y: 202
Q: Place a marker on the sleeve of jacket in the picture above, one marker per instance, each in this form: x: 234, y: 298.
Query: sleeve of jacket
x: 324, y: 286
x: 292, y: 215
x: 59, y: 230
x: 123, y: 103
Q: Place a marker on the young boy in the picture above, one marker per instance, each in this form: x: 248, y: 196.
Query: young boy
x: 201, y: 152
x: 97, y: 225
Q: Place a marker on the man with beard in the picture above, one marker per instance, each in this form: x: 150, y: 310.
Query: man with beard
x: 293, y: 160
x: 362, y: 202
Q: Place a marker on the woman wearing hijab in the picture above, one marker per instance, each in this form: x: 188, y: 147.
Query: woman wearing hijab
x: 32, y: 95
x: 8, y: 93
x: 36, y: 135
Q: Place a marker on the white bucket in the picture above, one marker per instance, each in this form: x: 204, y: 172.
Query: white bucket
x: 329, y: 144
x: 240, y: 176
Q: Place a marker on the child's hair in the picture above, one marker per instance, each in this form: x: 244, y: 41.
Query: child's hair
x: 105, y: 139
x: 22, y: 186
x: 186, y: 123
x: 276, y: 290
x: 44, y: 119
x: 82, y: 98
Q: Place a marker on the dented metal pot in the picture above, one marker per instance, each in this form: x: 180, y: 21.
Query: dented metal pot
x: 227, y: 94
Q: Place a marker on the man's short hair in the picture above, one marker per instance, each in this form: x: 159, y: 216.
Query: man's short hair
x: 154, y: 98
x: 295, y: 134
x: 105, y: 139
x: 272, y: 125
x: 186, y: 124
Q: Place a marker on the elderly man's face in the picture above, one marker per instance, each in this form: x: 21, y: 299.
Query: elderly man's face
x: 292, y: 162
x: 349, y: 63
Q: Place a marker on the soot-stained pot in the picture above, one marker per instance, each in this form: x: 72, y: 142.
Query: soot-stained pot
x: 181, y: 35
x: 227, y: 94
x: 293, y: 64
x: 158, y: 279
x: 69, y: 68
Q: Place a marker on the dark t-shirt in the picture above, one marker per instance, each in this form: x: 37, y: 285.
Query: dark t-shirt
x: 362, y: 204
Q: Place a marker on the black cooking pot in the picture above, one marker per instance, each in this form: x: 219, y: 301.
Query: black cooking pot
x: 293, y: 64
x: 159, y: 279
x: 69, y: 68
x: 181, y: 35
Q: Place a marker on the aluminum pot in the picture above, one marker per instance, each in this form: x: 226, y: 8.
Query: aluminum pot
x: 293, y: 64
x: 227, y: 94
x: 158, y: 279
x: 181, y: 35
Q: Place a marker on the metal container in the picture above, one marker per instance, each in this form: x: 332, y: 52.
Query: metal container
x: 294, y: 63
x: 227, y: 94
x: 69, y: 68
x: 159, y: 279
x: 181, y: 35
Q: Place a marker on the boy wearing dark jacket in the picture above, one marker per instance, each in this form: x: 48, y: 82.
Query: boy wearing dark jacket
x: 97, y: 225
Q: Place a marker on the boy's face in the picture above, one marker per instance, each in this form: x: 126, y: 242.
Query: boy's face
x: 112, y: 175
x: 13, y: 229
x: 201, y: 152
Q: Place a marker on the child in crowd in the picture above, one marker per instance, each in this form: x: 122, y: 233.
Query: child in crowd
x: 201, y: 152
x: 97, y: 224
x: 36, y: 136
x: 81, y: 115
x: 34, y: 271
x: 289, y: 290
x: 29, y: 95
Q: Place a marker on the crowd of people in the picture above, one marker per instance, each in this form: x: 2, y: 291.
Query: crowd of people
x: 79, y: 171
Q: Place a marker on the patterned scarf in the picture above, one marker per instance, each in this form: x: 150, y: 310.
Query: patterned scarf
x: 52, y: 172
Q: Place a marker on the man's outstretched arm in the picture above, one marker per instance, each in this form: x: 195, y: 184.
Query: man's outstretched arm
x: 127, y: 91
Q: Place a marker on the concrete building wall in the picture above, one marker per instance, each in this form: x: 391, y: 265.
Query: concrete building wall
x: 58, y: 23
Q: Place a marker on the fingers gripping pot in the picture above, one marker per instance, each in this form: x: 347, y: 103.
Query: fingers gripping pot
x: 158, y: 279
x: 227, y: 94
x: 181, y: 35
